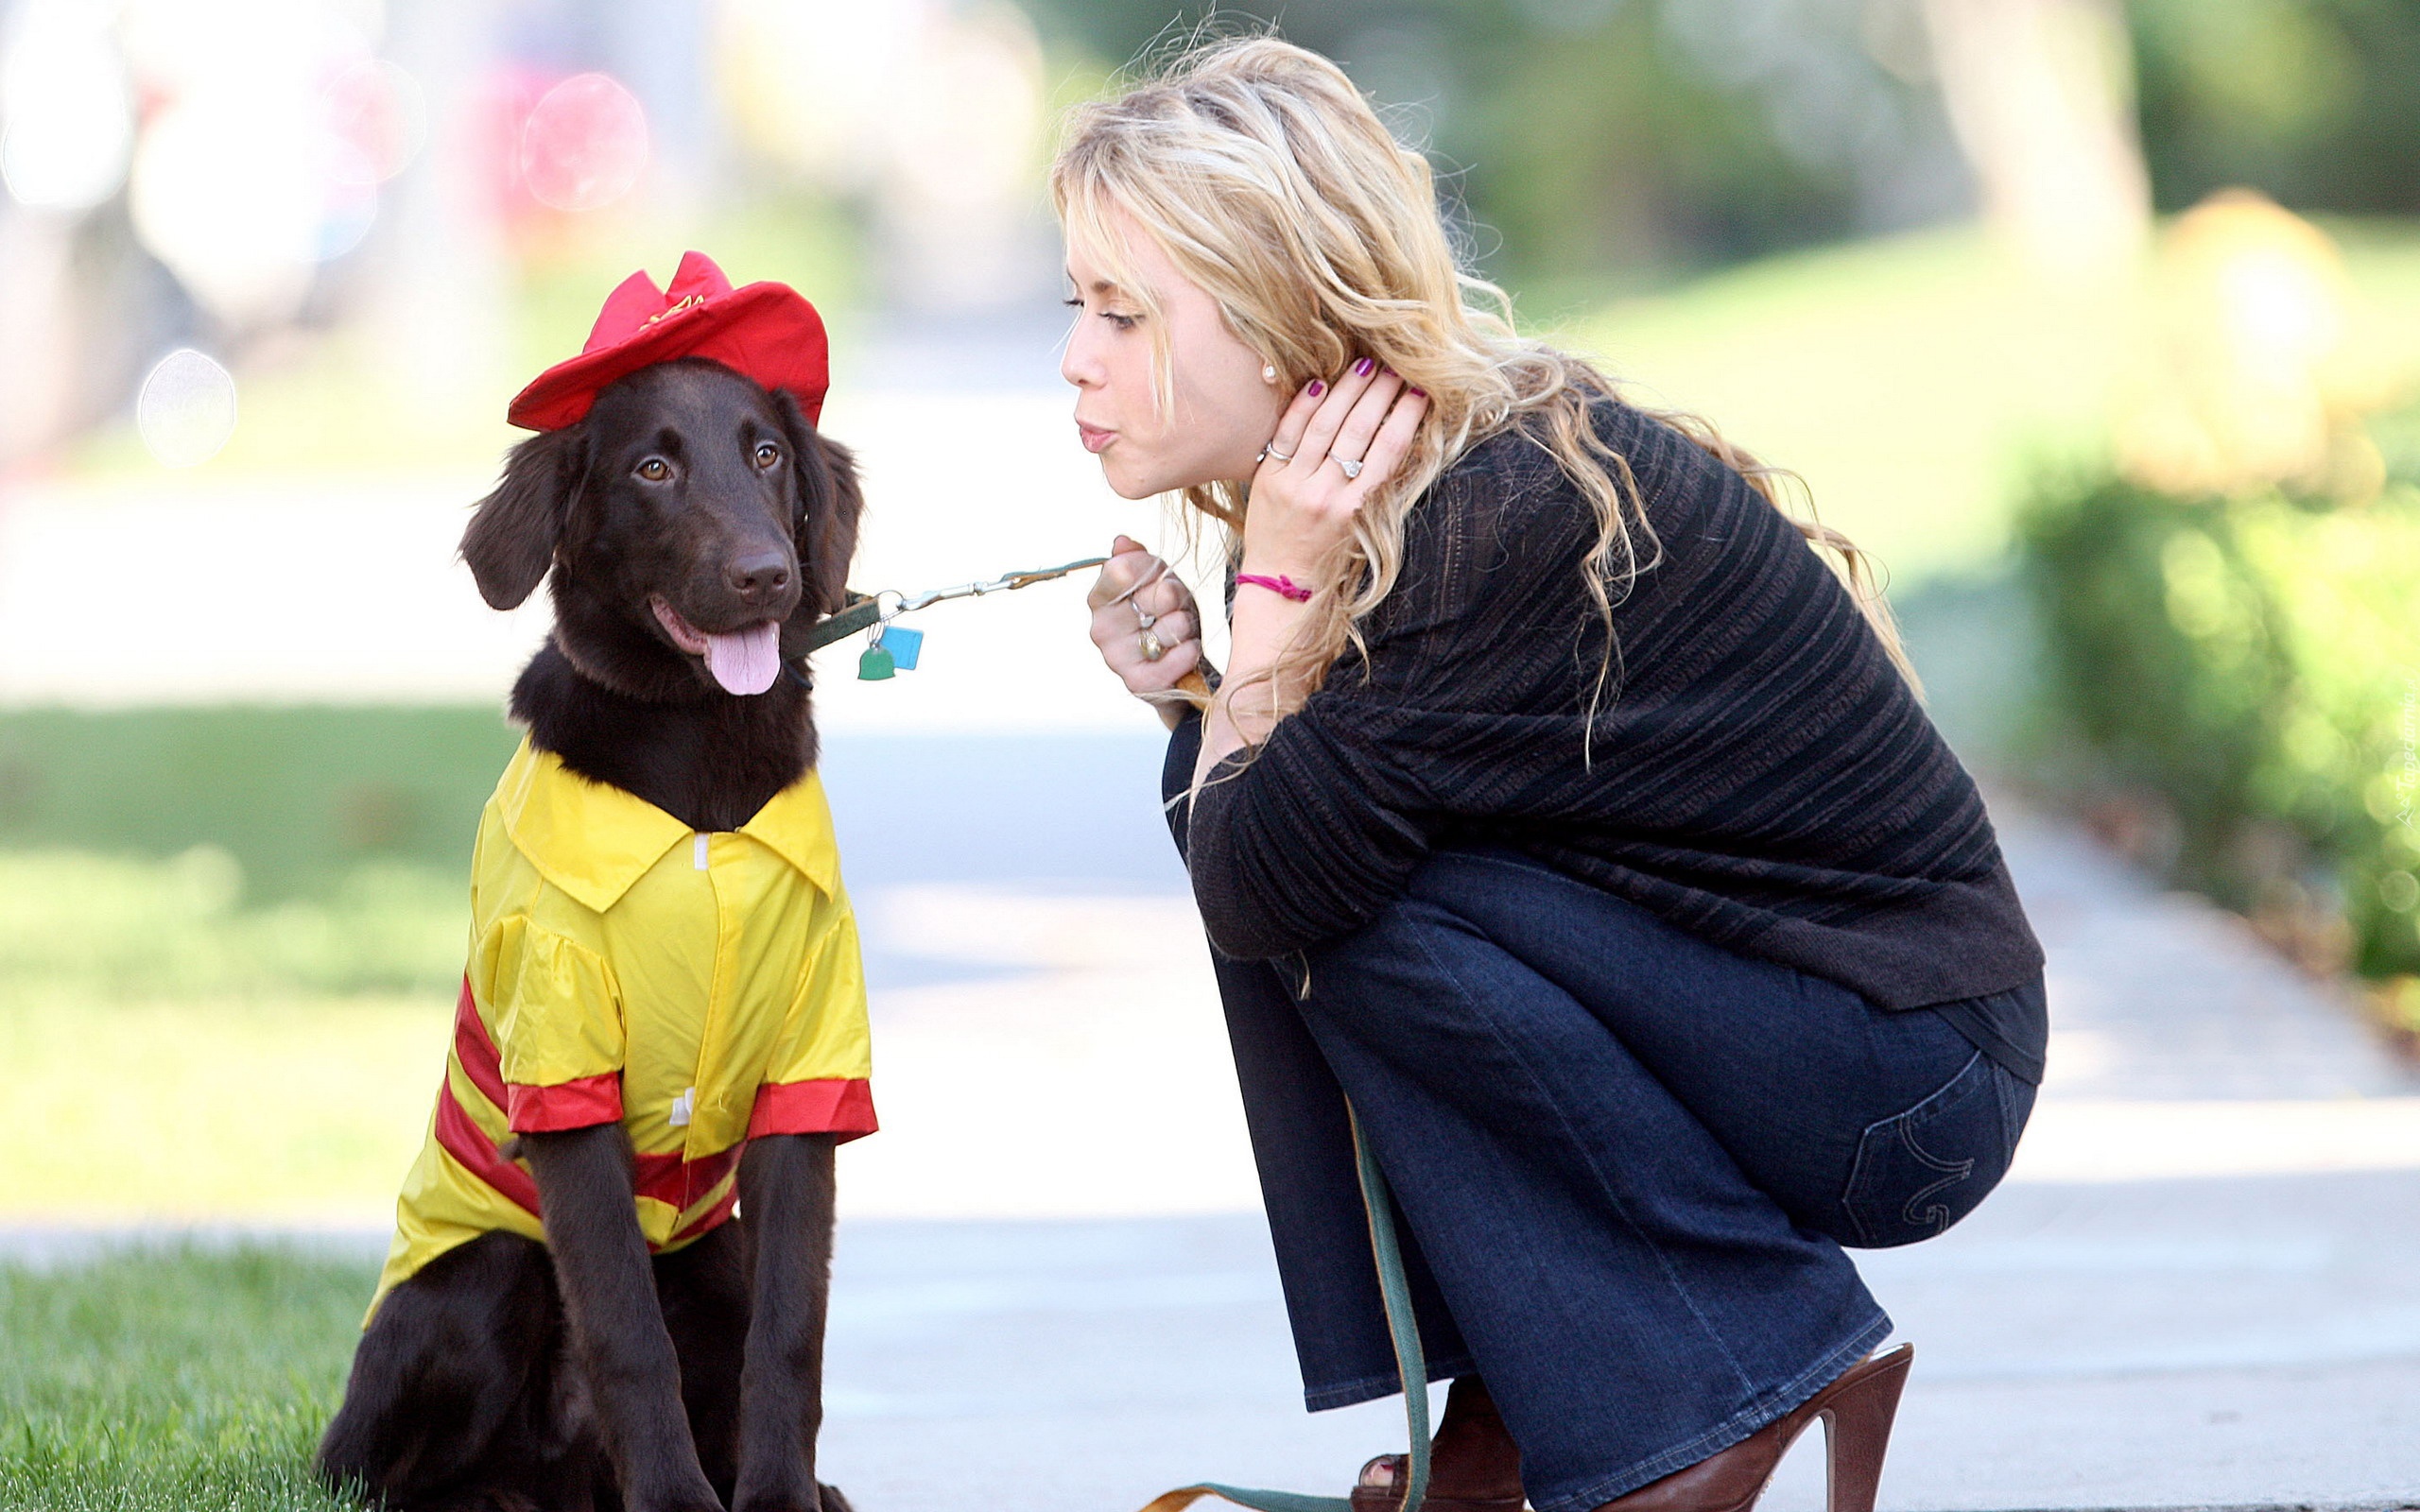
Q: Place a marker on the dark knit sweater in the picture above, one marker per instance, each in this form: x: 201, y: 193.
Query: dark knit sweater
x: 1760, y: 775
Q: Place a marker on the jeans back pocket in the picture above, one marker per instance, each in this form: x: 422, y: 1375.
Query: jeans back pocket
x: 1920, y: 1171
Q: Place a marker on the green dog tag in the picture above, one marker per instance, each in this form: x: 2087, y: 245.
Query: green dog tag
x: 875, y: 664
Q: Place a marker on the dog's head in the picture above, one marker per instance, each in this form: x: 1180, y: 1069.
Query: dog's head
x: 696, y: 524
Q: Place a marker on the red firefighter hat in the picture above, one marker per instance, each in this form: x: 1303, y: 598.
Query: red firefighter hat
x: 767, y: 332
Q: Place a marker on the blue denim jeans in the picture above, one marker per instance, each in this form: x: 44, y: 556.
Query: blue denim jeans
x: 1625, y: 1163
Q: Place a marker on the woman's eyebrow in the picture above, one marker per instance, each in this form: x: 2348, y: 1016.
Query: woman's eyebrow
x: 1100, y: 286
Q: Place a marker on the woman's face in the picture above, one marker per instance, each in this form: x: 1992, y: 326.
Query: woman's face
x: 1224, y: 411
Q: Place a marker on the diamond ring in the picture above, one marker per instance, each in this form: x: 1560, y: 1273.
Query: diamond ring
x: 1352, y: 469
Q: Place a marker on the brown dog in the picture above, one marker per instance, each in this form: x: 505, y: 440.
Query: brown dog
x: 689, y: 512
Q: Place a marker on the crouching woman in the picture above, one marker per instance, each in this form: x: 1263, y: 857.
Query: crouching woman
x: 1560, y: 811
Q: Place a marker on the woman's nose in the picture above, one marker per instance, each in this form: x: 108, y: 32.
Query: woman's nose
x: 1076, y: 361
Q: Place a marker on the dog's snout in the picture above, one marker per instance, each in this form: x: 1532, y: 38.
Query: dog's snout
x: 759, y: 575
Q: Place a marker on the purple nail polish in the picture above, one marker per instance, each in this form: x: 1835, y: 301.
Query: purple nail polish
x: 1420, y: 393
x: 1318, y: 388
x: 1363, y: 366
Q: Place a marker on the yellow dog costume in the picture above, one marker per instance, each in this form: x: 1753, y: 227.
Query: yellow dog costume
x: 701, y: 990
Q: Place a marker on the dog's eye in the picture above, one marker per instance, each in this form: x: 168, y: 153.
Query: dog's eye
x: 768, y: 453
x: 655, y: 470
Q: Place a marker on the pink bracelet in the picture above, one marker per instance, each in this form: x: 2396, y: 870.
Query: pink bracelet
x: 1281, y: 585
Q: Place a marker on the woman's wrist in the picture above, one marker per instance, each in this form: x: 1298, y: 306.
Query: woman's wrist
x: 1281, y: 584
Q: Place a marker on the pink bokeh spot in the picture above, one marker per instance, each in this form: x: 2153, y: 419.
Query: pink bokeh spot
x: 584, y: 144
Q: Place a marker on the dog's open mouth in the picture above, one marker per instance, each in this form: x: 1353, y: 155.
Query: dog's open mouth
x: 744, y: 660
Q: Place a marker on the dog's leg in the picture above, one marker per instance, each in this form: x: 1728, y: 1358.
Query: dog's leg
x: 617, y: 1329
x: 785, y: 1215
x: 446, y: 1382
x: 704, y: 1290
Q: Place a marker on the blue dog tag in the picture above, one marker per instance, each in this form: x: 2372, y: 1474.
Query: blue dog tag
x: 903, y: 643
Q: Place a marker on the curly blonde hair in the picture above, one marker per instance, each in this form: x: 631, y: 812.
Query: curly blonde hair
x: 1268, y: 180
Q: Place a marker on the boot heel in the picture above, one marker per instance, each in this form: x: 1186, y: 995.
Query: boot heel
x: 1856, y: 1429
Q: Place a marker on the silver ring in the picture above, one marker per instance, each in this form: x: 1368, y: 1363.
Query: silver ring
x: 1271, y: 453
x: 1352, y: 469
x: 1143, y: 617
x: 1150, y: 645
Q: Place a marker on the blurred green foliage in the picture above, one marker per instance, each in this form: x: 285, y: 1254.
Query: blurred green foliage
x: 1641, y: 138
x: 1615, y: 138
x: 173, y: 1380
x: 2255, y: 662
x: 2311, y: 101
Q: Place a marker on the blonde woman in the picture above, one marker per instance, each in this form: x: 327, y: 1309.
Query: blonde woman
x: 1559, y: 808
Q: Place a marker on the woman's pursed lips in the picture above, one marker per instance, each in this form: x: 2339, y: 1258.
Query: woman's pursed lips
x: 1094, y: 438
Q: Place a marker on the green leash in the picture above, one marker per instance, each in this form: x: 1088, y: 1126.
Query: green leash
x: 1409, y: 1363
x: 864, y: 611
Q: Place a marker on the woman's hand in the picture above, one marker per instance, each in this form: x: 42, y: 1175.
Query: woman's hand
x: 1137, y: 602
x: 1302, y: 509
x: 1335, y: 446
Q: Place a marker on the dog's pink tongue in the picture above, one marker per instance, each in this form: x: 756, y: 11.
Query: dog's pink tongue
x: 746, y: 661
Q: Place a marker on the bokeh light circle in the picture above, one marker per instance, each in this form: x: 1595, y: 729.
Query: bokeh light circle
x: 585, y: 144
x: 186, y: 411
x: 68, y: 128
x: 378, y: 111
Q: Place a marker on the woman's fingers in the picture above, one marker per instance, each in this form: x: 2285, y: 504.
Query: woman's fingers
x: 1353, y: 439
x: 1174, y: 629
x: 1392, y: 442
x: 1291, y: 423
x: 1129, y: 563
x: 1328, y: 418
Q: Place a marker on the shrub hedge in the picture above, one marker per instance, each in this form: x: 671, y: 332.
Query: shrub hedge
x: 2251, y: 663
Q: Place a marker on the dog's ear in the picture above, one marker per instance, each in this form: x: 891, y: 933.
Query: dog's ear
x: 511, y: 541
x: 829, y: 504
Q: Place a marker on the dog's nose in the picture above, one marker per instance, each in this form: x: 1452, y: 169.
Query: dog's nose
x: 759, y: 575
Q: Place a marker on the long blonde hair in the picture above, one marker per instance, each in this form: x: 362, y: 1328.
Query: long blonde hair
x: 1264, y: 174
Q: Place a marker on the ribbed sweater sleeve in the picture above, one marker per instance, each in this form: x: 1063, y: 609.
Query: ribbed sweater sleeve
x: 1751, y: 769
x: 1309, y: 835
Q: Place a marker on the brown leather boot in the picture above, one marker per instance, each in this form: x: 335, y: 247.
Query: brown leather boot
x: 1856, y: 1411
x: 1473, y: 1464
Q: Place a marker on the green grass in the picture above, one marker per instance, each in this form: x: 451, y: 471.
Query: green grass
x: 190, y: 1057
x: 181, y: 1380
x: 230, y: 941
x: 300, y: 798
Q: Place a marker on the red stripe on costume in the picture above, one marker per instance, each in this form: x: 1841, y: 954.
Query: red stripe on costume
x: 676, y: 1182
x: 709, y: 1218
x: 469, y: 1143
x: 581, y: 1102
x: 474, y: 1050
x: 834, y: 1104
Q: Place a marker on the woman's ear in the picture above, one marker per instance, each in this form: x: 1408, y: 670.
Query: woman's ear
x: 511, y: 541
x: 829, y: 504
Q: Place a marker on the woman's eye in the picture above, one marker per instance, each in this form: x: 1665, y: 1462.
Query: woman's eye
x: 1123, y: 322
x: 768, y: 453
x: 655, y: 470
